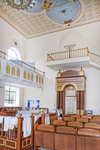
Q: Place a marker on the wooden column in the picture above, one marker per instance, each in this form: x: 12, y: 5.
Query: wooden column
x: 19, y: 133
x: 82, y: 102
x: 43, y: 118
x: 78, y: 102
x: 32, y: 131
x: 60, y: 99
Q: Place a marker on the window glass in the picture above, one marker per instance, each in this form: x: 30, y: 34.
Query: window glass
x: 12, y: 93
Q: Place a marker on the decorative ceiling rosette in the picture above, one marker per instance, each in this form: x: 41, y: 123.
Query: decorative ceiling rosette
x: 64, y: 11
x: 59, y: 11
x: 35, y: 6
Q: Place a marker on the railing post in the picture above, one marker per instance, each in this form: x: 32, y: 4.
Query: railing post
x: 43, y: 118
x: 87, y: 51
x: 32, y: 131
x: 19, y: 133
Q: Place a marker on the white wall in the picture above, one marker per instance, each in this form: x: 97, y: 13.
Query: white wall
x: 8, y: 35
x: 36, y: 49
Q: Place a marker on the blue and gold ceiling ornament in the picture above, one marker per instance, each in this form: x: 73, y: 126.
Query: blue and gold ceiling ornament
x: 59, y: 11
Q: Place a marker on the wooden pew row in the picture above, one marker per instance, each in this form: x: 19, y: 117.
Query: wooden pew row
x: 47, y: 109
x: 10, y: 108
x: 88, y: 139
x: 66, y: 138
x: 53, y: 116
x: 8, y: 113
x: 17, y: 141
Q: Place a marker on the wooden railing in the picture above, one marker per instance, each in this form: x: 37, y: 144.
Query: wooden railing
x: 94, y: 58
x: 83, y: 52
x: 23, y: 64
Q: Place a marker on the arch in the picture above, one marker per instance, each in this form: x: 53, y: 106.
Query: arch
x: 14, y: 53
x: 24, y: 75
x: 8, y: 69
x: 13, y: 71
x: 42, y: 80
x: 70, y: 38
x: 18, y: 72
x: 28, y: 76
x: 70, y: 83
x: 37, y: 78
x: 32, y: 77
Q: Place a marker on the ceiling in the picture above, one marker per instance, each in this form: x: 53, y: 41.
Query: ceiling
x: 49, y: 16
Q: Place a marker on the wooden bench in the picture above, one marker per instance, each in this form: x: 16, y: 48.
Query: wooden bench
x: 44, y: 136
x: 65, y: 138
x: 88, y: 139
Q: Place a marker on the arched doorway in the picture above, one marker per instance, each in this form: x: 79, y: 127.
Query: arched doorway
x: 71, y: 89
x: 70, y: 100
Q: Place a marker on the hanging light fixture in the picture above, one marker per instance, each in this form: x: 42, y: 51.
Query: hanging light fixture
x: 20, y: 4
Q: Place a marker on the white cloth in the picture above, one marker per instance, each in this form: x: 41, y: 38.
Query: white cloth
x: 26, y: 126
x: 1, y: 119
x: 47, y: 119
x: 9, y: 123
x: 28, y: 114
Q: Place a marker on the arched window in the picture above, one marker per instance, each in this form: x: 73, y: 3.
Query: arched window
x: 12, y: 94
x: 13, y: 53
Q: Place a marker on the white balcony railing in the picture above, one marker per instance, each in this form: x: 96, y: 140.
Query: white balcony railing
x: 19, y: 72
x: 77, y: 53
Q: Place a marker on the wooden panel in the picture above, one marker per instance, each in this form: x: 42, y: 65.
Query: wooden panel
x: 69, y: 119
x: 61, y: 99
x: 59, y: 122
x: 87, y: 116
x: 44, y: 139
x: 79, y: 82
x: 89, y: 132
x: 75, y: 124
x: 88, y: 143
x: 70, y: 73
x: 1, y: 141
x: 84, y: 120
x: 82, y: 101
x: 10, y: 144
x: 64, y: 129
x: 58, y: 100
x: 26, y: 142
x: 78, y: 100
x: 92, y: 125
x: 64, y: 142
x: 44, y: 127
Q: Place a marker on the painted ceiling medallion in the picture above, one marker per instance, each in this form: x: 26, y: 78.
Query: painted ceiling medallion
x: 65, y: 11
x: 59, y: 11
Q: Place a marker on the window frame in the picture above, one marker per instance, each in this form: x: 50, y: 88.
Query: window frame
x: 10, y: 100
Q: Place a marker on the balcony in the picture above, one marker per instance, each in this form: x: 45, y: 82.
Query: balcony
x: 18, y: 73
x: 73, y: 58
